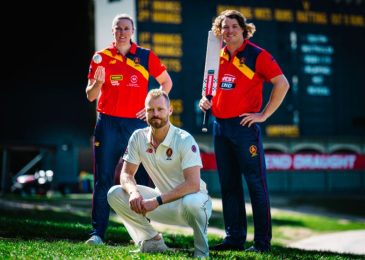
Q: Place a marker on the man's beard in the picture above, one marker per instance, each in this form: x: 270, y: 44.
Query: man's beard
x: 158, y: 123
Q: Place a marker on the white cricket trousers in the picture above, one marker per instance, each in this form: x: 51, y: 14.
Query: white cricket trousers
x: 192, y: 210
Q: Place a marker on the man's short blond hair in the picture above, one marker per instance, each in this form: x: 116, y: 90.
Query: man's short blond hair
x: 156, y: 93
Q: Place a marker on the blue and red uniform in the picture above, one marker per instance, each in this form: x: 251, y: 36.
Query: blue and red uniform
x: 122, y: 96
x: 239, y: 149
x: 126, y: 79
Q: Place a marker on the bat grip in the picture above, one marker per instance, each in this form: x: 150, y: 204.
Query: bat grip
x: 206, y: 116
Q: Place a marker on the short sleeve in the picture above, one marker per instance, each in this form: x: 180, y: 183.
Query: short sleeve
x: 155, y: 67
x: 131, y: 154
x: 98, y: 59
x: 92, y: 66
x: 190, y: 153
x: 267, y: 67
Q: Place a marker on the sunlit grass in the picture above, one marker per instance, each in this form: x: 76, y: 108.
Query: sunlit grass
x: 57, y: 228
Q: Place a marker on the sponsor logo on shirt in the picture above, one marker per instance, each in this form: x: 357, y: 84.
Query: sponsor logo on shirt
x: 133, y: 81
x: 169, y: 153
x: 97, y: 58
x: 253, y: 150
x: 116, y: 77
x: 228, y: 82
x: 114, y: 83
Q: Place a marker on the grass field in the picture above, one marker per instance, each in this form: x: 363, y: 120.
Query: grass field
x: 56, y: 228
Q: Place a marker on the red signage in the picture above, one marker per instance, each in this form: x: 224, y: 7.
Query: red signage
x: 297, y: 162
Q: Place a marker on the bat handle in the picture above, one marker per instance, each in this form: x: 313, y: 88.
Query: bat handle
x: 206, y: 117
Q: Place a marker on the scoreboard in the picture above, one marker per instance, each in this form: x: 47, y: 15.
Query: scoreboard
x: 318, y: 44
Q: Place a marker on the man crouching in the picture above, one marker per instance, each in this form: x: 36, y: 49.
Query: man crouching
x: 172, y: 159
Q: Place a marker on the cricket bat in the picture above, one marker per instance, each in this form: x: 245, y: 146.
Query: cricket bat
x: 210, y: 80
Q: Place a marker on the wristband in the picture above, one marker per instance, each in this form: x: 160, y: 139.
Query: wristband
x: 159, y: 200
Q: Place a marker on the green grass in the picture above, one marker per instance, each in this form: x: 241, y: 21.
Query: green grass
x: 46, y: 232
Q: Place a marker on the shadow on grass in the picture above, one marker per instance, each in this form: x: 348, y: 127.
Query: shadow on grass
x: 54, y: 225
x: 334, y: 204
x: 216, y: 220
x: 48, y: 224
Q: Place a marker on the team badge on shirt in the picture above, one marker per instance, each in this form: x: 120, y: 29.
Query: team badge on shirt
x: 137, y: 60
x: 169, y: 153
x: 193, y: 148
x: 149, y: 150
x: 253, y: 150
x: 242, y: 60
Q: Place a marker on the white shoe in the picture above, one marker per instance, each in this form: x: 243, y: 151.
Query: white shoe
x: 94, y: 240
x: 153, y: 246
x: 201, y: 256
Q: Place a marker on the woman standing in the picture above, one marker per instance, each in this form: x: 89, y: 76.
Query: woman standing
x: 118, y: 78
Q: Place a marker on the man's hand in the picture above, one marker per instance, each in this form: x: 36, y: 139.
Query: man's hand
x: 150, y: 204
x: 135, y: 202
x: 204, y: 104
x: 250, y: 118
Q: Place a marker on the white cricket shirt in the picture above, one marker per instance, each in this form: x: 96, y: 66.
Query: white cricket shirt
x: 165, y: 166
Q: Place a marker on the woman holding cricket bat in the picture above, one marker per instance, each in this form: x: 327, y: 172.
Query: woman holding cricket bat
x: 118, y: 78
x: 236, y: 105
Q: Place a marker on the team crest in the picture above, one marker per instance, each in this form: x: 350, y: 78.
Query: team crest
x: 149, y: 150
x: 169, y: 153
x: 137, y: 60
x: 242, y: 60
x: 193, y: 148
x: 97, y: 58
x: 253, y: 150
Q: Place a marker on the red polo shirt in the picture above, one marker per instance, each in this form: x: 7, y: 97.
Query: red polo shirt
x: 241, y: 79
x: 126, y: 79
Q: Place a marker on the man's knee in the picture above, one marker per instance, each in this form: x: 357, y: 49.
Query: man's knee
x: 114, y: 194
x: 195, y: 204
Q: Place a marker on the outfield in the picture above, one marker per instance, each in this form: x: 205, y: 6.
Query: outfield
x: 56, y: 228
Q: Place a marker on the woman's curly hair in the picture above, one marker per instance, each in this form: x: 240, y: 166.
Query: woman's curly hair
x: 248, y: 28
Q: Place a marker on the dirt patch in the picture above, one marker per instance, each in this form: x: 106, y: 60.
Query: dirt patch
x: 287, y: 235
